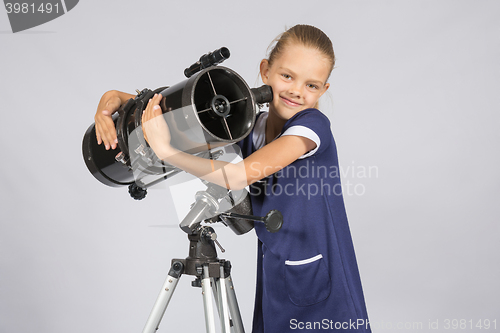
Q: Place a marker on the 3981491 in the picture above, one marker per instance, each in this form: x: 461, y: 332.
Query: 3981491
x: 26, y: 8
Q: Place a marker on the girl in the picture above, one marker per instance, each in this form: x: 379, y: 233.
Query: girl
x: 307, y: 275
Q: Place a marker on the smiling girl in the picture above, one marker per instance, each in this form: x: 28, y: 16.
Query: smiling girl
x: 307, y: 275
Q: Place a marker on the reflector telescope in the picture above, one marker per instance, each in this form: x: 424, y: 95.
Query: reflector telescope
x: 214, y: 107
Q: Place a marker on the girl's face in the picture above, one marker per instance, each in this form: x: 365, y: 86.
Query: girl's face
x: 298, y: 78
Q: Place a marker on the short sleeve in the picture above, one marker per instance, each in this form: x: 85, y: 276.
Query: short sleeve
x: 305, y: 132
x: 311, y: 124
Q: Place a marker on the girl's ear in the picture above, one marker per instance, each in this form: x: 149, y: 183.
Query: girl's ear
x: 264, y: 70
x: 325, y: 88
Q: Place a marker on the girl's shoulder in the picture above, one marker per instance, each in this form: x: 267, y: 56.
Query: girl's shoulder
x: 312, y: 124
x: 313, y: 119
x: 308, y: 117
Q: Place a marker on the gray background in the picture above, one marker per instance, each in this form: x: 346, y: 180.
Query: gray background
x: 412, y: 96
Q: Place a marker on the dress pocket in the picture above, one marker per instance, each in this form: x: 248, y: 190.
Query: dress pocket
x: 307, y: 281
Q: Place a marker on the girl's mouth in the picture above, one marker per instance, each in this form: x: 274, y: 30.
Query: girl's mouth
x: 289, y: 102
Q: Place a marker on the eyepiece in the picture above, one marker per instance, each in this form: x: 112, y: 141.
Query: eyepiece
x: 207, y: 60
x: 220, y: 55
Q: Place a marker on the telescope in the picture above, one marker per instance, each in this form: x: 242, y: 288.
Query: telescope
x: 212, y: 109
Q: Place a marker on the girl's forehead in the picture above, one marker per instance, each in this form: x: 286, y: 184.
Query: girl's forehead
x: 304, y: 59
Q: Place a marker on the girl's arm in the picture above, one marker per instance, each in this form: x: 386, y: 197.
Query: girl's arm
x: 262, y: 163
x: 104, y: 126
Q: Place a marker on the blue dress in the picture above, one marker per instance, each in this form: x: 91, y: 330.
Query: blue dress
x: 307, y: 275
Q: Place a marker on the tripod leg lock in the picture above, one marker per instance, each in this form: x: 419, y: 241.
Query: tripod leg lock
x: 227, y: 268
x: 176, y: 269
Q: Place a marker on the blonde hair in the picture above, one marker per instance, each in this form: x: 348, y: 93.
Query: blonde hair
x: 305, y: 35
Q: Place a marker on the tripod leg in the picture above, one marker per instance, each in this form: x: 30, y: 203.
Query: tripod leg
x: 222, y: 301
x: 216, y: 294
x: 233, y: 306
x: 207, y: 301
x: 164, y: 298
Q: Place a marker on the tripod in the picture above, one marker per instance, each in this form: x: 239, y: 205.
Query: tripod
x: 203, y: 263
x: 211, y: 273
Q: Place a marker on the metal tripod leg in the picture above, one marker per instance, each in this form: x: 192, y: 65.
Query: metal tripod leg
x: 164, y: 297
x: 222, y: 302
x: 227, y: 305
x: 207, y: 300
x: 233, y: 306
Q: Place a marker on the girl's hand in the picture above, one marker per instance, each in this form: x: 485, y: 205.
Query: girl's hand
x: 155, y: 127
x: 104, y: 126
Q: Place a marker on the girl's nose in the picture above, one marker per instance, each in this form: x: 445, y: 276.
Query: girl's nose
x: 295, y: 90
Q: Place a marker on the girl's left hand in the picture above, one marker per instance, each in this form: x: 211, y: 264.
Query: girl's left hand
x: 155, y: 127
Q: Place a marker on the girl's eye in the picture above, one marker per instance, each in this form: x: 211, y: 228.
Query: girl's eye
x: 286, y: 76
x: 312, y: 86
